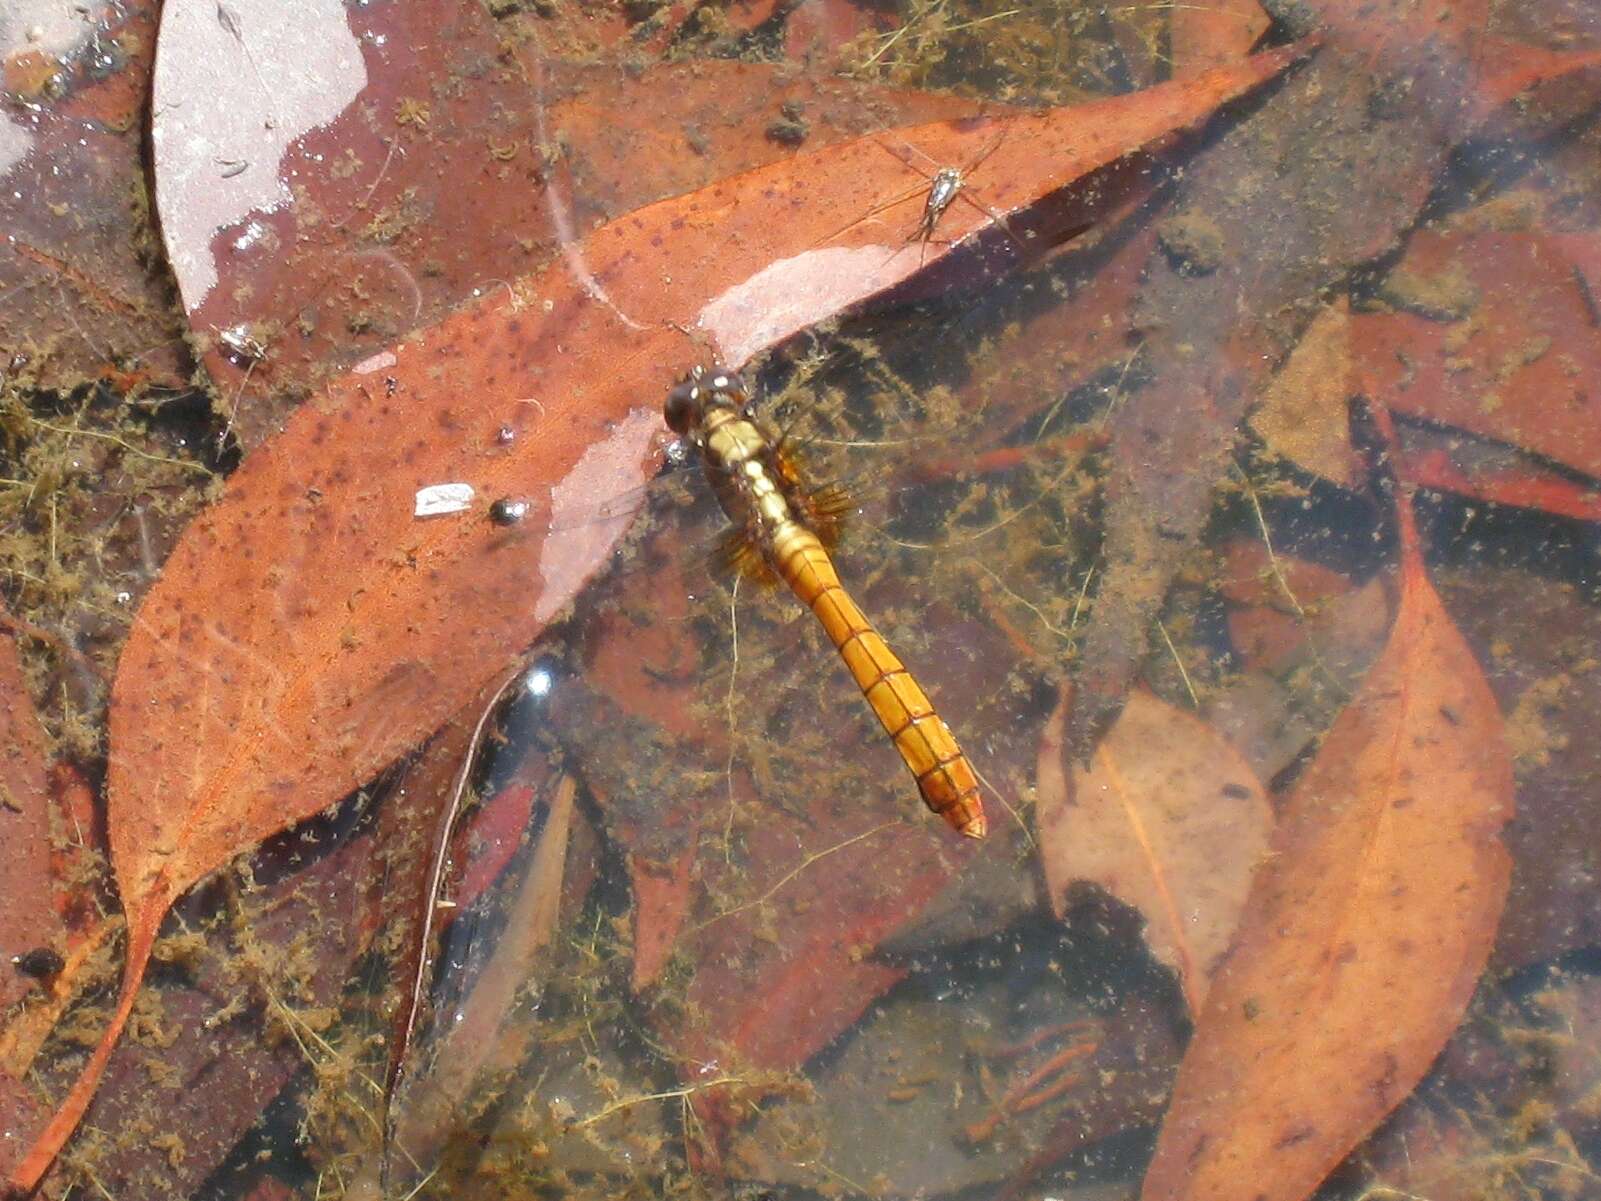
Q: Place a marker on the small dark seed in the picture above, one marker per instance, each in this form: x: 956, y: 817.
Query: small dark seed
x: 788, y: 132
x: 508, y: 511
x: 41, y: 963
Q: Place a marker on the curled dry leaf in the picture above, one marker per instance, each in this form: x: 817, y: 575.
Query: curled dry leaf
x: 307, y: 628
x: 1364, y: 934
x: 481, y: 1037
x: 1168, y: 818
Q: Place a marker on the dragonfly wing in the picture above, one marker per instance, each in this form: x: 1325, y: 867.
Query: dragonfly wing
x: 828, y: 511
x: 739, y: 554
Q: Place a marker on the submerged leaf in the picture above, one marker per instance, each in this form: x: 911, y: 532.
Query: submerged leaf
x: 1247, y: 257
x: 80, y: 299
x: 1168, y: 818
x: 482, y: 1036
x: 29, y: 923
x: 1208, y: 35
x: 1494, y: 333
x: 1489, y: 333
x: 1365, y: 933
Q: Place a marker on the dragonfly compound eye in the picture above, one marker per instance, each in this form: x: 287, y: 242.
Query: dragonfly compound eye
x: 683, y: 405
x: 41, y: 963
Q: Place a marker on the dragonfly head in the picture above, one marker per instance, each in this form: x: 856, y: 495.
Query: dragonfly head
x: 704, y: 389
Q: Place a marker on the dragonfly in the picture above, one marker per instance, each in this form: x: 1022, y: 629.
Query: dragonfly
x: 781, y: 527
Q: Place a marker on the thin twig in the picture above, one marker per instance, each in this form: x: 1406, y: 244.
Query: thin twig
x: 1183, y: 674
x: 394, y: 144
x: 728, y: 709
x: 1078, y: 605
x: 122, y: 442
x: 672, y: 1094
x: 1284, y: 584
x: 1039, y: 614
x: 1267, y: 542
x: 1011, y: 12
x: 805, y: 863
x: 436, y: 875
x: 423, y: 1183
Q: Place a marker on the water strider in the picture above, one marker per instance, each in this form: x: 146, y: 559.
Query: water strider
x: 783, y: 529
x: 942, y: 189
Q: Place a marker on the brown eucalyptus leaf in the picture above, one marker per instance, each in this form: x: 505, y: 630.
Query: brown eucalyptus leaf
x: 1168, y: 818
x: 1365, y: 932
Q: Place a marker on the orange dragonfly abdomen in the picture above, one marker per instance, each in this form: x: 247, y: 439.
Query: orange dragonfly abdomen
x: 758, y: 490
x: 944, y: 776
